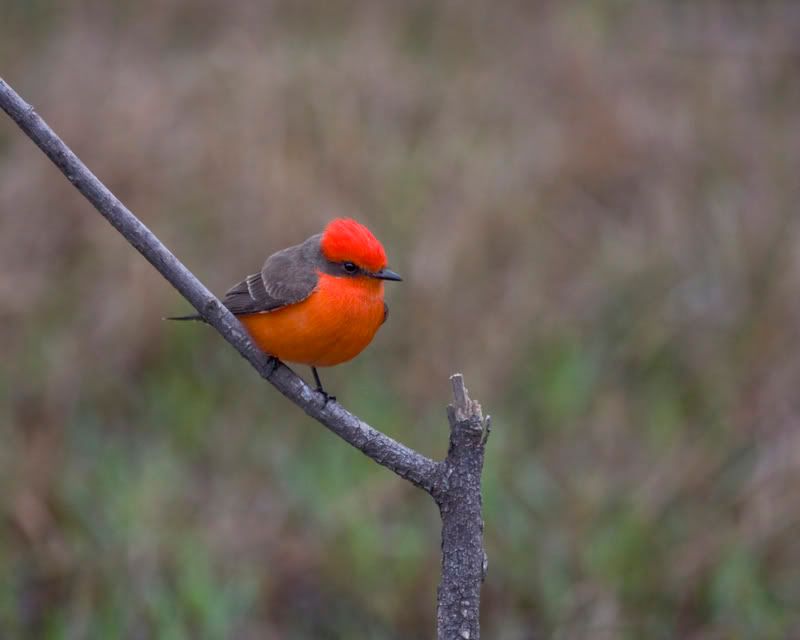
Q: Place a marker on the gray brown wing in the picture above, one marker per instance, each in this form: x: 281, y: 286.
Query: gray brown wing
x: 287, y: 277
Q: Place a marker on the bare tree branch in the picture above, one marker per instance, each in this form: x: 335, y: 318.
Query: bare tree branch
x: 464, y: 562
x: 454, y: 483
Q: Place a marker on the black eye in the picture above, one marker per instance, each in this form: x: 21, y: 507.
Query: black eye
x: 350, y: 267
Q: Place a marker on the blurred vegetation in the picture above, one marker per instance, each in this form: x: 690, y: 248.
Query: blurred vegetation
x: 594, y: 207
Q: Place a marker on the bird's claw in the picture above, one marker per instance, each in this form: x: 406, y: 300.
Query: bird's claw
x: 319, y: 388
x: 328, y: 397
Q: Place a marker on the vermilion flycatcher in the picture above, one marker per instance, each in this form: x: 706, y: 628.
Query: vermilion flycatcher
x: 318, y: 303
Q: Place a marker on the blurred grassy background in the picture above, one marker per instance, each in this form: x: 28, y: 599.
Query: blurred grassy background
x: 594, y: 206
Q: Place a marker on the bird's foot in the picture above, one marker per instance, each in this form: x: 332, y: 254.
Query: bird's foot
x: 274, y: 363
x: 319, y: 389
x: 327, y: 396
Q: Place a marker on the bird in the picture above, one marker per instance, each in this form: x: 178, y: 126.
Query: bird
x: 318, y: 303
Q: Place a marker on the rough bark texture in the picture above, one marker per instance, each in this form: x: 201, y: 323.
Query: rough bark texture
x: 454, y: 483
x: 458, y: 495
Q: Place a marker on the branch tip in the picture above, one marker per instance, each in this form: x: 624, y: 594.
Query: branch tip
x: 460, y: 393
x: 463, y: 407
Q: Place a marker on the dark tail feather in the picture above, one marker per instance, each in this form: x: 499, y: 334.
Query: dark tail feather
x: 191, y: 317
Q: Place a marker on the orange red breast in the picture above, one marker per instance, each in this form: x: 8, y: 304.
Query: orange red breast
x: 333, y: 325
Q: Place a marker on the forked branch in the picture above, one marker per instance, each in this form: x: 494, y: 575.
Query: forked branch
x: 454, y: 483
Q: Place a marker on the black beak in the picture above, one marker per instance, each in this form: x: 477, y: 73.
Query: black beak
x: 386, y: 274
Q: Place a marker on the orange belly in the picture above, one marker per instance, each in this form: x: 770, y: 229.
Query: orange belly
x: 333, y: 325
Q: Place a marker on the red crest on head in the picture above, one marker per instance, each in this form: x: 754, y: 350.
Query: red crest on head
x: 345, y: 240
